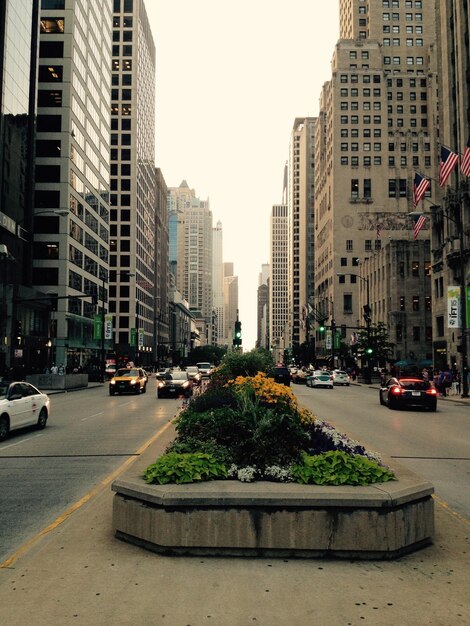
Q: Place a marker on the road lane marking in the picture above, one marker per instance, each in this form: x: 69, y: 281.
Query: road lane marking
x: 94, y: 415
x: 10, y: 445
x: 446, y: 506
x: 99, y: 487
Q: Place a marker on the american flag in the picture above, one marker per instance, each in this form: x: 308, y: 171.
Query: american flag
x: 465, y: 162
x: 448, y: 161
x: 418, y: 225
x: 378, y: 230
x: 421, y: 185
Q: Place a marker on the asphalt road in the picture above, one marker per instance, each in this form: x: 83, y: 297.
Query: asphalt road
x: 88, y: 436
x: 434, y: 445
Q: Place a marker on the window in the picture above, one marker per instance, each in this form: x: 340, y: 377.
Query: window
x: 49, y: 123
x: 48, y: 147
x: 347, y: 303
x: 51, y: 49
x: 355, y: 188
x: 367, y: 188
x: 392, y: 188
x: 354, y: 146
x: 344, y: 261
x: 367, y: 246
x: 415, y: 268
x: 49, y: 98
x: 50, y: 73
x: 349, y: 245
x: 47, y: 173
x: 415, y: 303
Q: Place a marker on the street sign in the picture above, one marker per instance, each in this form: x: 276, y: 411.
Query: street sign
x: 97, y: 327
x: 141, y: 337
x: 133, y: 338
x: 108, y: 327
x: 328, y: 342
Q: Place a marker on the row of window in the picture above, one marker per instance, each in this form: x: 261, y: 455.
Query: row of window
x: 396, y: 41
x: 395, y: 4
x: 409, y: 60
x: 395, y: 28
x: 366, y: 105
x: 409, y: 17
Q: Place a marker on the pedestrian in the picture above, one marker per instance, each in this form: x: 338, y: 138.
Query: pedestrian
x: 425, y: 374
x: 61, y: 370
x: 54, y: 369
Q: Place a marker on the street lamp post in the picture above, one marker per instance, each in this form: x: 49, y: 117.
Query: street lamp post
x: 367, y: 318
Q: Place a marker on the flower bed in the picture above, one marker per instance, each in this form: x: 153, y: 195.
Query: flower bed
x: 252, y: 428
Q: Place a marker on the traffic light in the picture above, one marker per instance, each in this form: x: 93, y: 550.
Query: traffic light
x: 367, y: 312
x: 18, y: 328
x: 321, y: 328
x: 237, y: 339
x: 369, y: 350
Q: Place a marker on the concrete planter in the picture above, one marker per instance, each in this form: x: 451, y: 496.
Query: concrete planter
x: 58, y: 382
x: 276, y: 519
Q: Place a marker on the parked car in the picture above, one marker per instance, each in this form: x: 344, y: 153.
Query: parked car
x: 110, y: 370
x: 320, y: 378
x: 341, y: 378
x: 282, y: 375
x: 175, y: 384
x: 399, y: 393
x: 194, y: 374
x: 21, y: 404
x: 125, y: 380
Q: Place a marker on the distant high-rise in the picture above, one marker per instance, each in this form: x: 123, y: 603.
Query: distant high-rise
x: 179, y: 198
x: 162, y: 322
x: 132, y: 253
x: 218, y: 284
x: 230, y: 302
x: 279, y: 314
x: 300, y: 200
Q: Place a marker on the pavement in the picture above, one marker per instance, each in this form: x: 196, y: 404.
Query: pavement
x: 76, y: 572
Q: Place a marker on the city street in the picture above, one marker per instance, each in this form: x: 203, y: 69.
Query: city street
x: 434, y: 445
x: 88, y: 436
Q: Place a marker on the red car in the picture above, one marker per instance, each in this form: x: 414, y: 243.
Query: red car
x: 399, y: 393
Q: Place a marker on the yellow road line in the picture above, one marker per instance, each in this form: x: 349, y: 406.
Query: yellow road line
x: 446, y: 506
x: 99, y: 487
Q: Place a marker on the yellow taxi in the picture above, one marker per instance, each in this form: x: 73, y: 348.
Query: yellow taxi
x: 128, y: 380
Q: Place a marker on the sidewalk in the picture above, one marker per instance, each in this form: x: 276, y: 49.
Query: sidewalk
x: 79, y: 573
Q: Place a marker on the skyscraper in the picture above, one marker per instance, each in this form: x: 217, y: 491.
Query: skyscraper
x: 132, y: 248
x: 375, y: 130
x: 18, y: 70
x: 300, y: 202
x: 71, y: 214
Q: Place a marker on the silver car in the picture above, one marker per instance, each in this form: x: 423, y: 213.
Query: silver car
x: 341, y: 378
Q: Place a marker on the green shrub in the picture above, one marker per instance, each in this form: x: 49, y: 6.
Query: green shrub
x: 339, y: 468
x: 189, y: 444
x: 213, y: 398
x: 184, y: 468
x: 242, y: 364
x: 224, y: 425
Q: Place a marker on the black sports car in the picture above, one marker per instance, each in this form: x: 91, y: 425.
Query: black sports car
x: 399, y: 393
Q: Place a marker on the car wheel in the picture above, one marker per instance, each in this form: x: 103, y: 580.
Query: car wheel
x: 42, y: 419
x: 137, y: 389
x: 144, y: 390
x: 4, y: 427
x: 381, y: 400
x: 433, y: 408
x: 111, y: 392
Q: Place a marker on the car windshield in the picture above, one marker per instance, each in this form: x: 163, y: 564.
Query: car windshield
x: 128, y: 373
x: 415, y: 385
x: 192, y: 370
x: 204, y: 366
x: 4, y: 389
x: 177, y: 376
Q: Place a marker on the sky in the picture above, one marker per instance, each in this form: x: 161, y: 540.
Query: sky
x: 231, y: 77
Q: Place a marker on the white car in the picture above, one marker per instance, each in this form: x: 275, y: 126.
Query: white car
x: 21, y: 405
x: 320, y: 378
x: 341, y: 378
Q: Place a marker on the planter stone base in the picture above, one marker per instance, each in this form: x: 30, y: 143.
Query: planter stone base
x: 269, y: 519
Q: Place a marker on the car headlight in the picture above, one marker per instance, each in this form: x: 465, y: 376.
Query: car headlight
x: 160, y: 385
x: 133, y: 381
x: 186, y: 384
x: 112, y: 382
